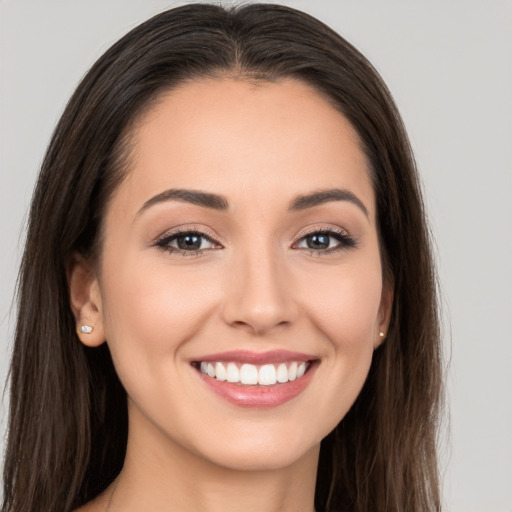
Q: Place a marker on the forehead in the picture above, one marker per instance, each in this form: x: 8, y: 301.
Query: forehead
x: 245, y: 140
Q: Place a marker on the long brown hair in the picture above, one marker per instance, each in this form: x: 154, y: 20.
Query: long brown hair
x: 68, y: 415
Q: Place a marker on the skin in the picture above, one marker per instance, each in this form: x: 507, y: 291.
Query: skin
x: 257, y: 287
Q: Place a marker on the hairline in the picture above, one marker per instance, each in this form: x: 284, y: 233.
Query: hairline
x: 124, y: 148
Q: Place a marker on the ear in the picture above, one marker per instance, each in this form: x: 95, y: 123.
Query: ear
x: 384, y: 316
x: 85, y: 300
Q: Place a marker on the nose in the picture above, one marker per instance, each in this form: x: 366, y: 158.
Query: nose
x: 259, y: 293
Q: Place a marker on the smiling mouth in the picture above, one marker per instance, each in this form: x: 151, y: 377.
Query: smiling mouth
x: 258, y: 380
x: 254, y: 375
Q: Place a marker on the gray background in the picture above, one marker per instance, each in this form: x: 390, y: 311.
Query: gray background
x: 449, y: 65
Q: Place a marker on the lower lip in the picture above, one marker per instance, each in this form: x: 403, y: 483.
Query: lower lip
x: 259, y: 396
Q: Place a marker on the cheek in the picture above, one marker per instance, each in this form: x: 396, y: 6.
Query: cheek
x: 345, y: 304
x: 345, y: 310
x: 150, y: 309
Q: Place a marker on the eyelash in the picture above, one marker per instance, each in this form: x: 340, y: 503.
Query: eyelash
x: 345, y: 241
x: 164, y: 242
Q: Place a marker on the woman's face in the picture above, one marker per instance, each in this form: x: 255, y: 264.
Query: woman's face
x: 242, y: 245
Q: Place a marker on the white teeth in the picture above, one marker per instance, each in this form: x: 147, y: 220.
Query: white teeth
x: 232, y: 374
x: 267, y: 375
x: 220, y: 372
x: 248, y: 374
x: 282, y: 373
x: 292, y: 371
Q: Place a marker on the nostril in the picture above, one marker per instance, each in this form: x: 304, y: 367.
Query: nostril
x: 259, y: 299
x: 259, y: 326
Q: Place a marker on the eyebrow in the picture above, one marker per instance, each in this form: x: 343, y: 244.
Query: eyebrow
x: 218, y: 202
x: 324, y: 196
x: 206, y: 199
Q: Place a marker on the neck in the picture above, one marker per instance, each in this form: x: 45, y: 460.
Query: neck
x: 159, y: 474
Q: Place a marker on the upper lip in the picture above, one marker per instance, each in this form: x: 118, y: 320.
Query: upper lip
x: 256, y: 358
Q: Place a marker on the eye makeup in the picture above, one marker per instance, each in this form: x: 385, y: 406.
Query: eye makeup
x: 187, y: 242
x: 194, y: 242
x: 325, y: 240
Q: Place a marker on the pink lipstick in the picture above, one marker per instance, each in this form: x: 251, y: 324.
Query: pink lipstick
x: 252, y: 379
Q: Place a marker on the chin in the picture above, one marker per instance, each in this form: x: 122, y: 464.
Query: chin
x: 265, y: 458
x: 249, y: 450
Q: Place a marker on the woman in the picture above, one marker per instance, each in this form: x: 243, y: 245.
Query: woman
x: 227, y: 299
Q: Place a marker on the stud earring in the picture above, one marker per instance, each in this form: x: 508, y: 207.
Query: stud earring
x: 86, y: 329
x: 381, y: 334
